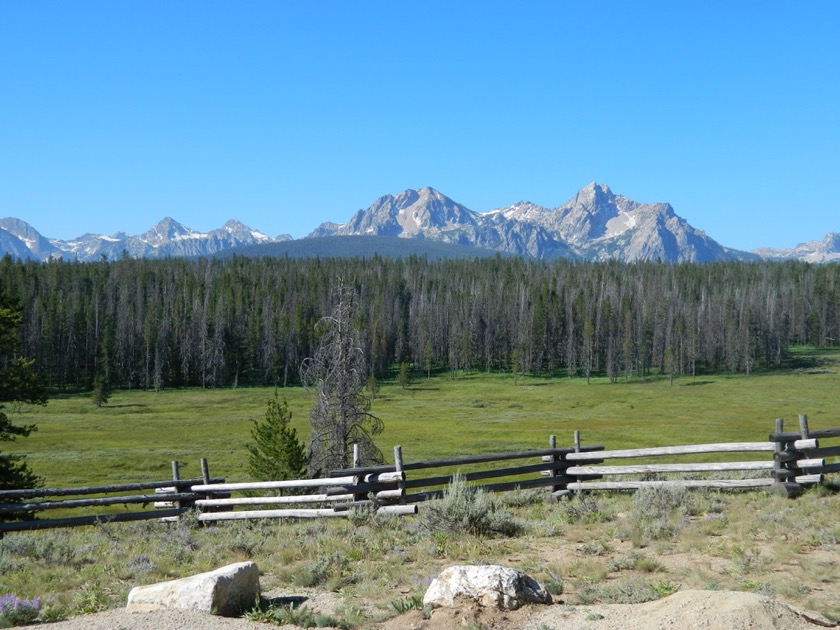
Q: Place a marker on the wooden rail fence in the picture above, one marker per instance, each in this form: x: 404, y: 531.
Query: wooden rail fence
x: 327, y: 498
x: 170, y: 499
x: 795, y: 459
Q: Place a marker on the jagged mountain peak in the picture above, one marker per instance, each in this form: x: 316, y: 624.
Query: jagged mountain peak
x: 16, y: 226
x: 594, y: 193
x: 239, y: 230
x: 415, y: 197
x: 234, y: 225
x: 30, y: 242
x: 831, y: 242
x: 521, y: 210
x: 422, y: 212
x: 168, y: 229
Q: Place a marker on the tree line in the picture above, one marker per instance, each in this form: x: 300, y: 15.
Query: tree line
x: 151, y: 324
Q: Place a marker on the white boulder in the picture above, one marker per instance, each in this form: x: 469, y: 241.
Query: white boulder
x: 489, y: 585
x: 228, y: 591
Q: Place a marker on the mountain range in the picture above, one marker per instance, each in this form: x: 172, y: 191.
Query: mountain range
x: 595, y: 225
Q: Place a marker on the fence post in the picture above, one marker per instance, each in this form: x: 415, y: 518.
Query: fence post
x: 552, y: 443
x: 559, y: 490
x: 784, y: 458
x: 577, y: 450
x: 176, y: 476
x: 805, y: 436
x: 357, y: 463
x: 398, y: 467
x: 803, y: 427
x: 205, y: 477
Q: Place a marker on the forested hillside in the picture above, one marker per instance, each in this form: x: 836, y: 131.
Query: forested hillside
x: 241, y: 321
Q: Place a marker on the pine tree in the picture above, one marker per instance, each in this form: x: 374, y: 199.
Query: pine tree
x: 276, y: 454
x: 101, y: 392
x: 19, y: 384
x: 404, y: 376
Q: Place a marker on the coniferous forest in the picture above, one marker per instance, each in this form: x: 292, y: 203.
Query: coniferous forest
x: 153, y: 324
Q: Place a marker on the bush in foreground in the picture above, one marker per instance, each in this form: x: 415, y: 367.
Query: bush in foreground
x: 466, y: 509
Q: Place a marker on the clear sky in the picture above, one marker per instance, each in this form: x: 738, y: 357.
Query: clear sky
x: 285, y: 114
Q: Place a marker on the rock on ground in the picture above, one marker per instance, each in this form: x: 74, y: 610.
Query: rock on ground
x: 488, y: 585
x: 228, y: 591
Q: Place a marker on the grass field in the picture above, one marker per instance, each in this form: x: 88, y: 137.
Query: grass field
x: 137, y: 434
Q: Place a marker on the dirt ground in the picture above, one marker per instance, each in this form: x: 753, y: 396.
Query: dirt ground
x: 684, y: 610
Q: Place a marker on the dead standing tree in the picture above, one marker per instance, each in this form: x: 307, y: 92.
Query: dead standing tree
x: 338, y: 373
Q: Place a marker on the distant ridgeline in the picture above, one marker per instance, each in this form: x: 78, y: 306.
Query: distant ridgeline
x: 595, y: 225
x: 213, y: 322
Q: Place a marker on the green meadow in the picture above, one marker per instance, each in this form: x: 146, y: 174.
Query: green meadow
x: 137, y: 434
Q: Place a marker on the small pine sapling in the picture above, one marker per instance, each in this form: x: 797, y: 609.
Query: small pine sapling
x: 276, y: 453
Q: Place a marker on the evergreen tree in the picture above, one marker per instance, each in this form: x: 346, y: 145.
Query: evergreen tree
x: 276, y: 454
x: 19, y: 384
x: 101, y: 392
x: 404, y: 376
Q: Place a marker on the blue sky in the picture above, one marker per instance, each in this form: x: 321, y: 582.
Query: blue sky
x: 287, y: 114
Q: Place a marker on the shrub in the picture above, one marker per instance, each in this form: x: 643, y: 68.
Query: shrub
x: 522, y: 498
x: 329, y: 571
x: 629, y: 591
x: 659, y: 512
x: 635, y: 561
x: 586, y: 508
x: 404, y: 604
x: 295, y: 616
x: 554, y: 585
x: 466, y: 509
